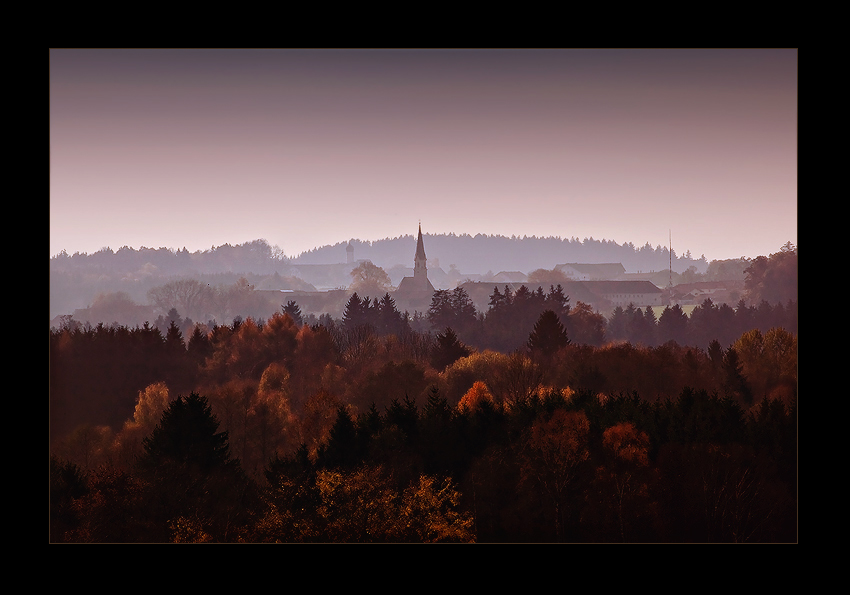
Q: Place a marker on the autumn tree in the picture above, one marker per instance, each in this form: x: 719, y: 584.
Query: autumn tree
x: 585, y: 326
x: 190, y: 296
x: 270, y: 416
x: 474, y: 397
x: 366, y: 506
x: 369, y: 279
x: 150, y: 405
x: 546, y: 277
x: 554, y: 455
x: 768, y: 361
x: 774, y: 278
x: 622, y: 481
x: 516, y: 379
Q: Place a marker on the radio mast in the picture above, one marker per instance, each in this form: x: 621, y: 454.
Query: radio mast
x: 670, y: 254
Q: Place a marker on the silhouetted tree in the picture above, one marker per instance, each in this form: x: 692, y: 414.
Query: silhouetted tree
x: 584, y: 326
x: 735, y: 385
x: 447, y: 349
x: 554, y: 454
x: 187, y: 466
x: 453, y: 309
x: 548, y: 335
x: 673, y: 325
x: 294, y: 311
x: 773, y: 279
x: 341, y: 449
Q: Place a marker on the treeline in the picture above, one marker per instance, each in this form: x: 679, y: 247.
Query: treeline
x: 470, y: 253
x: 771, y: 302
x: 127, y: 275
x: 251, y: 257
x: 480, y: 253
x: 505, y: 325
x: 322, y: 420
x: 96, y: 372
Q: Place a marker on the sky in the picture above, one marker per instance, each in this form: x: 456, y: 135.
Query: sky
x: 306, y: 148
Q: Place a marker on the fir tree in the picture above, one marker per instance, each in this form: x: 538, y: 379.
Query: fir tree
x: 548, y: 335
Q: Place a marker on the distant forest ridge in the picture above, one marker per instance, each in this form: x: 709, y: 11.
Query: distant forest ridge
x: 482, y: 253
x: 470, y: 254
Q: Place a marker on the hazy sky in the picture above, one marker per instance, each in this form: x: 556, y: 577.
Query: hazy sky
x: 197, y: 148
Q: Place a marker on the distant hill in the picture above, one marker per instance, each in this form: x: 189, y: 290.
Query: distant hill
x: 480, y: 253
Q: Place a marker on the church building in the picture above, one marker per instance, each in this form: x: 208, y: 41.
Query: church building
x: 415, y: 293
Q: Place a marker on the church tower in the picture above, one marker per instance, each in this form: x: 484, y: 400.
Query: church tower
x: 419, y: 261
x: 414, y: 293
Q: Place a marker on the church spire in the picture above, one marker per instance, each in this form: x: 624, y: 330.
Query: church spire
x: 419, y: 261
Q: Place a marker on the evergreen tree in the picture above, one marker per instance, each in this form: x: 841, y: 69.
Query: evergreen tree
x: 617, y: 324
x: 447, y: 349
x: 187, y: 436
x: 389, y: 320
x: 354, y: 314
x: 189, y: 474
x: 673, y: 325
x: 200, y: 347
x: 294, y: 310
x: 735, y: 384
x: 548, y: 335
x: 174, y: 340
x: 341, y: 449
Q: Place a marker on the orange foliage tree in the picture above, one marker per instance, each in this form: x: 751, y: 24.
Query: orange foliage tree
x: 553, y: 456
x: 621, y: 480
x: 474, y: 397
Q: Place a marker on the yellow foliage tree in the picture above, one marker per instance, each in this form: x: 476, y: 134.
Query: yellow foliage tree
x: 365, y: 506
x: 150, y: 405
x: 769, y: 361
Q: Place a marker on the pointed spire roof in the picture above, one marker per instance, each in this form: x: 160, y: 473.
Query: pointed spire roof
x: 420, y: 247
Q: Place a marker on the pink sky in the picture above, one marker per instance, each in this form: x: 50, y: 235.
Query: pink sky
x: 197, y: 148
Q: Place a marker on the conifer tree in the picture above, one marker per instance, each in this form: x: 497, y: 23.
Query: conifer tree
x: 548, y: 335
x: 447, y: 350
x: 294, y: 310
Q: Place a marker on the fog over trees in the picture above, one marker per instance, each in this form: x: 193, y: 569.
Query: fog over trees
x: 126, y: 276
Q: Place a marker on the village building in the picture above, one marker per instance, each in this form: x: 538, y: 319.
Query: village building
x: 605, y: 271
x: 623, y: 293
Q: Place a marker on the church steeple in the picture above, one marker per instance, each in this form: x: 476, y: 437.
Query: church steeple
x: 419, y: 268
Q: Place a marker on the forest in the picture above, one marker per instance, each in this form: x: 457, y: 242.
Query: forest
x: 536, y: 421
x: 77, y: 280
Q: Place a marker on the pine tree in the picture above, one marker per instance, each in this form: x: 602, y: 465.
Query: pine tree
x: 190, y: 476
x: 187, y: 436
x: 548, y: 335
x: 294, y: 310
x: 341, y: 449
x: 447, y: 350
